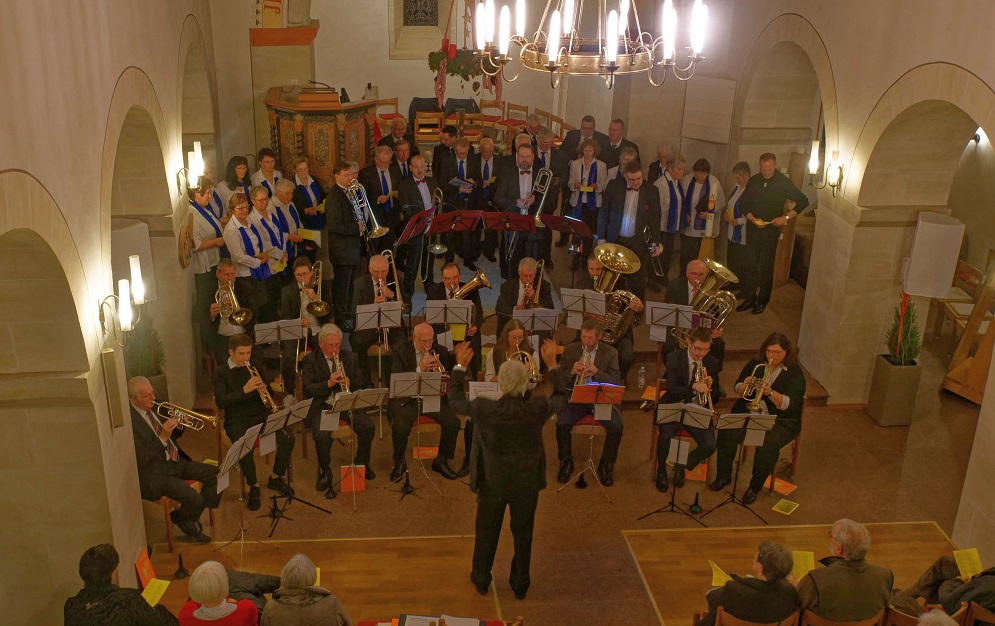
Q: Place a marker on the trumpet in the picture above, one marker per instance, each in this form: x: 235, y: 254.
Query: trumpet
x: 228, y: 303
x: 339, y: 368
x: 405, y: 307
x: 754, y: 391
x: 439, y: 367
x: 585, y: 360
x: 267, y: 399
x: 702, y: 399
x: 184, y: 417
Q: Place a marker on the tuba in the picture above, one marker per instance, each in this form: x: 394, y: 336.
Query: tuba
x: 185, y: 417
x: 617, y: 260
x: 317, y: 308
x: 479, y: 281
x: 526, y: 359
x: 710, y: 300
x: 228, y: 303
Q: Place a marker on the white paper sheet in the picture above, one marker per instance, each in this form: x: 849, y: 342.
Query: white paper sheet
x: 683, y: 449
x: 432, y: 404
x: 267, y: 444
x: 329, y: 420
x: 603, y: 412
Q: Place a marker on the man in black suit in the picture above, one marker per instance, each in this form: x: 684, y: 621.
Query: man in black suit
x: 488, y: 165
x: 516, y: 293
x: 459, y: 165
x: 322, y: 380
x: 683, y: 366
x: 615, y: 143
x: 380, y: 183
x: 376, y: 288
x: 401, y: 164
x: 345, y: 239
x: 422, y: 354
x: 628, y: 207
x: 682, y: 292
x: 398, y: 132
x: 222, y: 328
x: 624, y: 345
x: 766, y: 597
x: 585, y: 361
x: 163, y: 468
x: 415, y: 195
x: 238, y: 393
x: 294, y: 300
x: 446, y: 147
x: 507, y: 463
x: 515, y: 195
x: 586, y: 131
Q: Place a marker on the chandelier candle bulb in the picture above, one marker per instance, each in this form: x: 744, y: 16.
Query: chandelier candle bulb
x: 568, y: 19
x: 669, y: 30
x: 699, y: 22
x: 504, y: 32
x: 491, y: 15
x: 623, y: 17
x: 481, y: 18
x: 611, y: 47
x: 520, y: 18
x: 137, y: 285
x: 553, y: 44
x: 124, y: 305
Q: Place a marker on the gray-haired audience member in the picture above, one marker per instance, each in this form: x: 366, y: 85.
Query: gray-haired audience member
x: 298, y: 602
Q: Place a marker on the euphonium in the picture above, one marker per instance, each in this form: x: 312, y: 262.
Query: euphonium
x: 317, y: 308
x: 710, y: 300
x: 264, y: 392
x: 479, y: 281
x: 702, y: 399
x: 228, y: 303
x: 529, y: 362
x: 616, y: 260
x: 360, y: 207
x: 536, y: 287
x: 754, y: 391
x: 339, y: 368
x: 185, y: 417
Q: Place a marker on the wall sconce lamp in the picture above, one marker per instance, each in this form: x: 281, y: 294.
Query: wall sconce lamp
x: 834, y: 171
x: 190, y: 175
x: 129, y: 293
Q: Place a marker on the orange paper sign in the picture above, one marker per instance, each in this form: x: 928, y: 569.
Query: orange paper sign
x: 353, y: 478
x: 144, y: 567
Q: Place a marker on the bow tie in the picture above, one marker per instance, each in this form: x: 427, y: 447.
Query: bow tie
x: 422, y: 182
x: 632, y: 188
x: 524, y: 172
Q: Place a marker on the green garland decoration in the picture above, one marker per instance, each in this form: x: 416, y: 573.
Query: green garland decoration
x: 463, y: 65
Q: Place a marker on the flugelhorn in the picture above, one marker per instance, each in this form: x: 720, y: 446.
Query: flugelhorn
x: 585, y: 360
x: 264, y: 392
x: 228, y: 303
x: 754, y: 391
x: 317, y: 308
x: 702, y: 399
x: 185, y: 417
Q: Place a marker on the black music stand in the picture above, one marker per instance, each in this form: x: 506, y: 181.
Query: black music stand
x: 581, y: 304
x: 350, y: 402
x: 277, y: 332
x: 569, y: 226
x: 240, y: 448
x: 603, y: 397
x: 417, y: 385
x: 686, y: 415
x: 756, y: 425
x: 454, y: 222
x: 378, y: 317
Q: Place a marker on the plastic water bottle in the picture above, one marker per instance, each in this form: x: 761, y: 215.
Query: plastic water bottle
x: 642, y: 376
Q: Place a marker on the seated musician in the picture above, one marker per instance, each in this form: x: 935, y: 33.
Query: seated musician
x: 446, y: 290
x: 585, y: 361
x: 683, y: 366
x: 163, y: 468
x: 783, y: 391
x: 683, y: 292
x: 624, y: 346
x: 222, y: 328
x: 515, y: 194
x: 516, y: 294
x: 415, y: 195
x: 422, y: 354
x: 376, y: 288
x: 322, y: 380
x: 237, y: 392
x: 294, y: 300
x: 509, y: 341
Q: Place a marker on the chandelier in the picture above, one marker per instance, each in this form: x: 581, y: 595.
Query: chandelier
x: 558, y: 47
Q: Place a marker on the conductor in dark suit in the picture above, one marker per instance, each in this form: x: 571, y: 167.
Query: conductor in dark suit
x: 507, y: 463
x: 381, y: 185
x: 766, y: 597
x: 322, y: 380
x: 616, y: 143
x: 628, y: 207
x: 415, y: 195
x: 682, y: 368
x: 599, y: 365
x: 515, y: 195
x: 163, y: 468
x: 375, y: 288
x: 783, y: 397
x: 571, y: 141
x: 398, y: 128
x: 682, y: 292
x: 515, y: 293
x: 422, y: 354
x: 294, y: 300
x: 345, y: 239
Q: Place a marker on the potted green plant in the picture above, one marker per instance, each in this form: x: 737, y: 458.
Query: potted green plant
x: 896, y: 374
x: 144, y: 356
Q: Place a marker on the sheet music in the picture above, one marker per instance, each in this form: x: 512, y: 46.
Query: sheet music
x: 267, y: 444
x: 603, y: 412
x: 678, y: 451
x: 329, y: 420
x: 754, y: 437
x: 460, y: 621
x: 432, y: 404
x: 487, y: 390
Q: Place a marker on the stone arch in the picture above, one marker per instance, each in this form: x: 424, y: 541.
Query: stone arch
x: 196, y: 93
x: 931, y: 93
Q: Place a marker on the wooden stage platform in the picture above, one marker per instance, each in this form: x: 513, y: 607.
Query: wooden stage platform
x: 674, y: 563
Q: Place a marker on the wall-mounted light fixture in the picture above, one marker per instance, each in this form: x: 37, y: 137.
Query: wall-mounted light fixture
x: 190, y: 175
x: 834, y: 171
x: 129, y: 293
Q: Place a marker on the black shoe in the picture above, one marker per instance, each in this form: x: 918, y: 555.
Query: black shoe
x: 324, y: 479
x: 719, y: 483
x: 757, y: 310
x: 470, y: 266
x: 330, y: 494
x: 370, y: 474
x: 280, y: 486
x: 400, y: 466
x: 464, y: 469
x: 195, y: 531
x: 440, y: 466
x: 751, y: 495
x: 678, y: 476
x: 345, y: 327
x: 746, y: 306
x: 481, y: 589
x: 520, y: 595
x: 606, y: 473
x: 566, y: 470
x: 661, y: 481
x: 253, y: 499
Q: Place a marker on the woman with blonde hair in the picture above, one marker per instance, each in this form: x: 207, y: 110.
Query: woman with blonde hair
x: 209, y: 602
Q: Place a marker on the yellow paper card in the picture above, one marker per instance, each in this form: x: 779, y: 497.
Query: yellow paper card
x: 317, y: 577
x: 968, y: 562
x: 154, y: 590
x: 321, y: 207
x: 279, y: 267
x: 458, y: 331
x: 394, y: 192
x: 210, y: 462
x: 492, y: 179
x: 760, y: 222
x: 587, y: 189
x: 785, y: 507
x: 804, y: 563
x: 307, y: 233
x: 719, y: 577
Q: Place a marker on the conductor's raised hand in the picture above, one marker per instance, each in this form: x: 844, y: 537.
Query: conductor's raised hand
x: 464, y: 353
x: 548, y: 352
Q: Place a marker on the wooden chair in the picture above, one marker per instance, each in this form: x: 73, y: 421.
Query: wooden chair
x: 385, y: 118
x: 169, y: 505
x: 724, y: 619
x: 543, y: 115
x: 587, y: 427
x: 491, y: 112
x: 513, y: 121
x: 963, y: 293
x: 428, y: 127
x: 469, y: 125
x: 975, y: 613
x: 661, y: 388
x: 556, y: 125
x: 894, y: 617
x: 809, y: 618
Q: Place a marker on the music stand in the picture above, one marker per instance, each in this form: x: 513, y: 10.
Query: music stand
x: 604, y: 396
x: 377, y: 317
x: 514, y: 222
x: 581, y: 304
x: 240, y: 448
x: 756, y: 425
x: 454, y: 222
x: 662, y: 317
x: 537, y: 320
x: 277, y: 332
x: 416, y: 385
x: 687, y: 416
x: 350, y: 402
x: 416, y: 226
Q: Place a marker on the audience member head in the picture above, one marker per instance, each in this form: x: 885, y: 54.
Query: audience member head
x: 208, y: 584
x: 588, y: 149
x: 768, y: 164
x: 486, y: 147
x: 696, y: 272
x: 848, y: 539
x: 302, y: 169
x: 284, y: 191
x: 777, y: 349
x: 773, y: 562
x: 632, y: 171
x: 591, y: 330
x: 462, y: 147
x: 525, y: 156
x: 447, y: 136
x: 240, y: 349
x: 330, y: 340
x: 238, y: 168
x: 741, y: 173
x: 418, y: 167
x: 587, y: 126
x: 527, y: 270
x: 533, y: 123
x: 382, y: 156
x: 936, y: 617
x: 397, y: 127
x: 701, y: 168
x: 97, y: 565
x: 513, y: 378
x: 615, y: 129
x: 299, y: 572
x: 267, y: 160
x: 402, y: 150
x: 675, y: 166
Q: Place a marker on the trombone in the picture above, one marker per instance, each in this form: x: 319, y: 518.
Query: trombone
x: 438, y: 248
x: 184, y: 417
x: 536, y: 286
x: 543, y: 179
x: 317, y: 308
